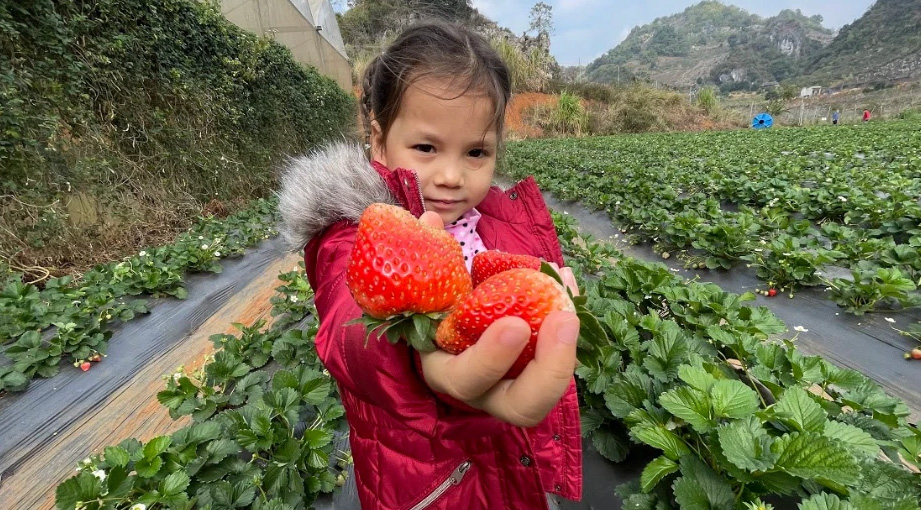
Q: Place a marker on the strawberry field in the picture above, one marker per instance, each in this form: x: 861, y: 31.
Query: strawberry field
x: 705, y: 393
x: 697, y: 385
x: 832, y: 207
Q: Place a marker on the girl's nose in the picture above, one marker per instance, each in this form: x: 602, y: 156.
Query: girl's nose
x: 451, y: 174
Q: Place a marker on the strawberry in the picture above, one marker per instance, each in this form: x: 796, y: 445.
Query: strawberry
x: 772, y: 292
x: 915, y: 353
x: 521, y: 292
x: 492, y: 262
x: 404, y: 274
x: 85, y: 366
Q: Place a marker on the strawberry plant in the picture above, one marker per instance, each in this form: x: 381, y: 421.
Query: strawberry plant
x: 789, y: 262
x: 68, y: 320
x: 872, y: 287
x: 264, y: 414
x: 730, y: 418
x: 709, y: 199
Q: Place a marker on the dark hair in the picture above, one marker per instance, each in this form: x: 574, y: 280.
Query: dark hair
x: 433, y: 49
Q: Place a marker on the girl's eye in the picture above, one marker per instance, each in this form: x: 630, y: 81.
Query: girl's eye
x: 477, y: 153
x: 424, y: 148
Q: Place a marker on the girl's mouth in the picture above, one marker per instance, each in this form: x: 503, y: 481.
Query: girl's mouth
x: 443, y: 204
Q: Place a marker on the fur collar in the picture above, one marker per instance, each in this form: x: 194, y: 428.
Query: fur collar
x: 335, y: 182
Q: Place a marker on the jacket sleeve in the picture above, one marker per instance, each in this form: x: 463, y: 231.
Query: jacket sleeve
x: 378, y: 373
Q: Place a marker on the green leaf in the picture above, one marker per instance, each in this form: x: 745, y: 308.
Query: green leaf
x: 221, y: 448
x: 590, y: 330
x: 796, y: 409
x: 700, y: 488
x: 317, y: 438
x: 207, y: 431
x: 547, y: 269
x: 83, y: 487
x: 175, y: 483
x: 148, y: 468
x: 855, y: 439
x: 222, y: 493
x: 628, y: 391
x: 156, y: 446
x: 825, y: 501
x: 696, y: 377
x: 610, y: 445
x: 659, y: 437
x: 667, y: 351
x: 690, y: 405
x: 747, y: 445
x: 316, y: 391
x: 116, y: 456
x: 813, y: 456
x: 733, y: 399
x: 655, y: 471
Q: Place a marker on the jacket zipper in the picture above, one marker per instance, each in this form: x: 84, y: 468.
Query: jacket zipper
x: 452, y: 480
x: 419, y: 189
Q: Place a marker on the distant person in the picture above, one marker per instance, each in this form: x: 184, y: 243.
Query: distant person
x: 866, y: 115
x: 834, y: 117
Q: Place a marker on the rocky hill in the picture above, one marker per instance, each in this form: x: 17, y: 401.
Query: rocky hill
x: 884, y: 45
x: 715, y: 43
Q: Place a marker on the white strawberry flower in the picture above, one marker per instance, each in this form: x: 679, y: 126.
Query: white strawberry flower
x: 800, y: 329
x: 293, y: 298
x: 201, y: 237
x: 204, y: 246
x: 217, y: 254
x: 143, y: 253
x: 100, y: 474
x: 139, y: 506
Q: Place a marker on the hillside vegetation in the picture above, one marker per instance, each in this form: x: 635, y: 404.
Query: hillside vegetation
x: 881, y: 46
x: 712, y: 42
x: 122, y: 119
x: 723, y: 45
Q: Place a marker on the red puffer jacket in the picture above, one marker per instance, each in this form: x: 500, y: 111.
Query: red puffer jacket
x: 413, y: 450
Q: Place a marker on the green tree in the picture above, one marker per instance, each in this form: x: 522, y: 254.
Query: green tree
x: 541, y: 24
x: 788, y: 91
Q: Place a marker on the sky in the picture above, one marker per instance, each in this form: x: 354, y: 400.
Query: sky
x: 586, y: 29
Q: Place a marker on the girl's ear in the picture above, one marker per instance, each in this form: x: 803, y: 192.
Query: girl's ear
x: 377, y: 143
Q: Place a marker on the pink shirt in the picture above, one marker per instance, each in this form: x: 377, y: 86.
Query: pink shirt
x: 464, y: 230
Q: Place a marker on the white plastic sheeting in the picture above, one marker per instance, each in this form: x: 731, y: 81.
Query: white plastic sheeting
x: 325, y: 17
x: 307, y: 27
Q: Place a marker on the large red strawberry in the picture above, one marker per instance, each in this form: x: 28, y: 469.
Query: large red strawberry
x: 403, y: 273
x: 493, y: 262
x: 522, y: 292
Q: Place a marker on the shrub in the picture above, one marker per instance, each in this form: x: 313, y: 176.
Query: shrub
x: 708, y: 100
x: 121, y: 118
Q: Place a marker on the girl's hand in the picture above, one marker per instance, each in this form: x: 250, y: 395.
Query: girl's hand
x: 475, y: 376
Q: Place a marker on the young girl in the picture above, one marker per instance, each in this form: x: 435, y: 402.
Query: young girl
x: 436, y: 430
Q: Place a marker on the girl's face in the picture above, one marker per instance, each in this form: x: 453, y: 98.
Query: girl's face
x: 448, y: 137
